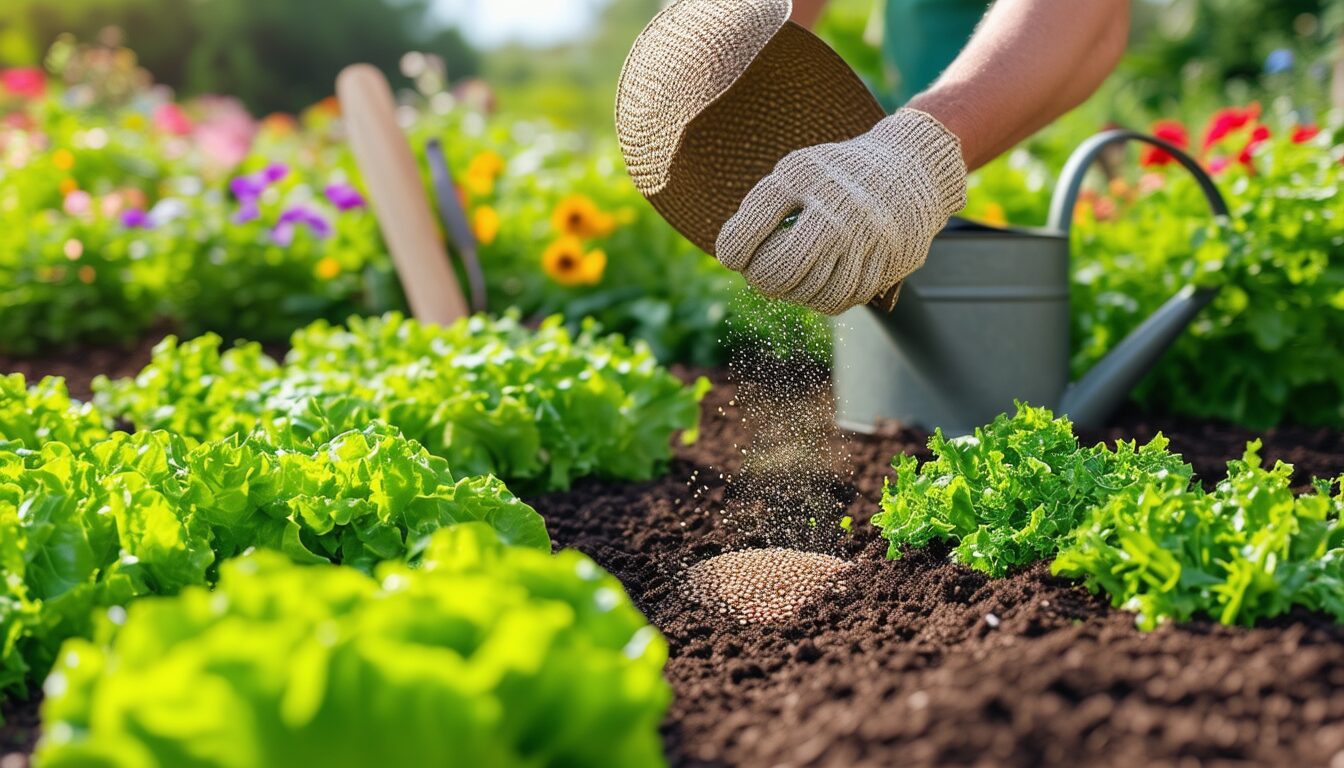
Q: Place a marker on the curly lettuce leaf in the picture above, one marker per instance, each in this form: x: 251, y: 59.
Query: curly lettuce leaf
x: 484, y: 654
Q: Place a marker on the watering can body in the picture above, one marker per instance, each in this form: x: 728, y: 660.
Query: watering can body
x: 985, y: 322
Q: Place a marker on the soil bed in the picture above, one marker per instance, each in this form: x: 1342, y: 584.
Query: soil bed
x: 919, y: 661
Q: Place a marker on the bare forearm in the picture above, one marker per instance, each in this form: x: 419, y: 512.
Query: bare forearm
x: 1028, y: 63
x: 806, y: 12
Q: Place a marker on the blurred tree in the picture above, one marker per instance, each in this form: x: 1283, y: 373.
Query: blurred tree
x: 273, y: 54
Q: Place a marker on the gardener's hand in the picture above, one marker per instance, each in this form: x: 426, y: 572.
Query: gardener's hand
x: 836, y: 225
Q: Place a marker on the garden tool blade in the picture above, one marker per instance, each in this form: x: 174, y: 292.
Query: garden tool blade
x: 398, y: 197
x: 454, y: 220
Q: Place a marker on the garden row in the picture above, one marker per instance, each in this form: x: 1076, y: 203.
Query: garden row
x: 1130, y: 521
x: 400, y: 588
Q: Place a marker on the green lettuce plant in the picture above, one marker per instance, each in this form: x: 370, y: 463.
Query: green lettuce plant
x: 1248, y: 551
x: 1008, y: 495
x: 536, y: 407
x: 485, y: 654
x: 43, y: 413
x: 145, y: 513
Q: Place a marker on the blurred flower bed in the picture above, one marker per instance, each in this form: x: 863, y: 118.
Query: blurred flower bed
x: 1268, y: 350
x: 127, y: 210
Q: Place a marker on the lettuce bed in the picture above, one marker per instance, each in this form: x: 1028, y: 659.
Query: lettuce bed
x: 1128, y: 521
x: 142, y: 514
x: 484, y: 655
x: 538, y: 408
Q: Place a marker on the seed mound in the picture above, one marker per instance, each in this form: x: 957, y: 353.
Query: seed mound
x: 762, y: 585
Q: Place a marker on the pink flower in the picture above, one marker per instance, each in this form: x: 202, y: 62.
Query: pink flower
x: 1304, y: 133
x: 24, y: 82
x: 1218, y: 164
x: 225, y: 132
x: 78, y: 203
x: 170, y: 119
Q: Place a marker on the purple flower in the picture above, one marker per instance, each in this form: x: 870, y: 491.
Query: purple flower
x: 247, y: 188
x: 344, y: 197
x: 247, y: 211
x: 136, y: 218
x: 283, y: 233
x: 274, y: 172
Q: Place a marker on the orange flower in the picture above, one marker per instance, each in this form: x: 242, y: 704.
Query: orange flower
x: 482, y: 172
x: 567, y: 264
x: 327, y: 268
x: 63, y: 159
x: 578, y: 216
x: 485, y: 224
x: 993, y: 215
x: 87, y: 274
x: 330, y: 106
x: 279, y: 124
x: 68, y: 185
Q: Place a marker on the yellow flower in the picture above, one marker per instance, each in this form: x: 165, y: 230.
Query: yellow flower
x: 327, y: 268
x: 578, y: 216
x: 63, y: 159
x: 68, y: 185
x: 135, y: 121
x: 993, y: 215
x: 594, y: 264
x: 566, y: 263
x: 482, y: 172
x: 485, y: 224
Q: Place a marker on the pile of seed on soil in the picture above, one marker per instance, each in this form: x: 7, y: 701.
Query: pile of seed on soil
x: 919, y: 662
x: 762, y: 585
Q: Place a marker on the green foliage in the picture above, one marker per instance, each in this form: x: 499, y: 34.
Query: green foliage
x: 485, y: 655
x: 1248, y: 551
x: 31, y: 417
x: 139, y: 514
x: 275, y: 56
x: 1267, y: 351
x: 1009, y: 495
x: 538, y: 408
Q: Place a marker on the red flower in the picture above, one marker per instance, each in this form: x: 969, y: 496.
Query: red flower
x: 1171, y: 132
x: 25, y: 82
x: 1304, y: 133
x: 1258, y: 136
x: 169, y: 118
x: 1227, y: 120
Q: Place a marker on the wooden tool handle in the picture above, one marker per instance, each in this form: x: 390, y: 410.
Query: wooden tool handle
x: 384, y: 158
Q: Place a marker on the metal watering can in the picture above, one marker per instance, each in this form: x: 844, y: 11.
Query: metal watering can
x: 986, y: 322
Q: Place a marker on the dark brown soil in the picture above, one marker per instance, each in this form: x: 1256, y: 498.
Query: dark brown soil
x: 922, y: 662
x: 919, y: 661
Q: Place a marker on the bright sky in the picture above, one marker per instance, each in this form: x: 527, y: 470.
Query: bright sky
x: 488, y: 23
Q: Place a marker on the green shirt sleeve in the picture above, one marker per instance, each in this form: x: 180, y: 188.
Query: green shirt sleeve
x: 924, y: 36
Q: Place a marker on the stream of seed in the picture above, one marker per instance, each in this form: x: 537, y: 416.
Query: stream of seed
x: 785, y: 501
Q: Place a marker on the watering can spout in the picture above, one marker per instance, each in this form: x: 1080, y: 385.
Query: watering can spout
x: 1090, y: 400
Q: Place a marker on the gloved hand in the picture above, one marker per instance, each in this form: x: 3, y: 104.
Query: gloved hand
x: 866, y: 210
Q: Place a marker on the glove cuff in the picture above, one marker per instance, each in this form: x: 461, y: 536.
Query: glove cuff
x: 939, y: 151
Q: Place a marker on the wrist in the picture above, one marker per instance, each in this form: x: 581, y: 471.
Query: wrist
x: 959, y: 120
x: 918, y: 135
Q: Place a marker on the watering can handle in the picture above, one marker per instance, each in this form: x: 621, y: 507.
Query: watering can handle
x: 1091, y: 399
x: 1071, y: 180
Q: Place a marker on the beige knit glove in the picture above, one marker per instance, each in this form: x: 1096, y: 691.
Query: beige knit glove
x: 867, y: 210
